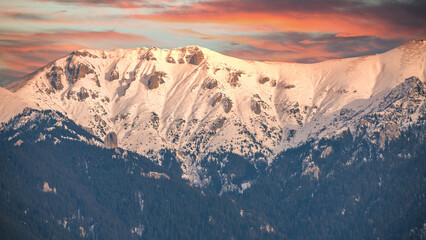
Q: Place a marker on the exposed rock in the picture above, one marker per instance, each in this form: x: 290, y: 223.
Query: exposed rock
x: 216, y: 98
x: 156, y: 79
x: 389, y: 132
x: 227, y: 104
x: 78, y: 72
x: 111, y: 140
x: 273, y: 83
x: 263, y: 80
x: 170, y: 60
x: 55, y: 76
x: 211, y: 83
x: 83, y: 53
x: 286, y: 85
x: 419, y: 87
x: 234, y: 80
x: 114, y: 75
x: 326, y: 152
x: 197, y: 58
x: 98, y: 84
x: 83, y: 94
x: 255, y: 107
x: 150, y: 56
x: 18, y: 143
x: 47, y: 188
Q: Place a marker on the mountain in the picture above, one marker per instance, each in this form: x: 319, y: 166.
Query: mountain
x: 195, y: 102
x: 191, y: 144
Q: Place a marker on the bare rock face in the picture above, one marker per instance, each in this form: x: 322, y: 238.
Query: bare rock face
x: 234, y: 80
x: 197, y: 58
x: 84, y: 54
x: 273, y: 83
x: 55, y: 77
x: 78, y: 72
x: 83, y: 94
x: 215, y: 99
x: 111, y: 140
x: 286, y: 85
x: 255, y: 107
x: 326, y: 152
x: 211, y: 83
x: 263, y: 80
x: 150, y: 56
x: 114, y: 75
x: 170, y: 60
x: 390, y: 131
x: 227, y: 104
x: 156, y: 79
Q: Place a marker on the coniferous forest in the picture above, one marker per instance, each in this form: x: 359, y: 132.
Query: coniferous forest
x: 361, y: 192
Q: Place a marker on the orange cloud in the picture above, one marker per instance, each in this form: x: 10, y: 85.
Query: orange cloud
x: 342, y: 24
x: 345, y: 18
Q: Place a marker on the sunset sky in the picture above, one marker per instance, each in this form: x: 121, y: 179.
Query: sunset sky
x: 33, y: 33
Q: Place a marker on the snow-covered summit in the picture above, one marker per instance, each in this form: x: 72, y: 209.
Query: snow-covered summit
x: 195, y: 101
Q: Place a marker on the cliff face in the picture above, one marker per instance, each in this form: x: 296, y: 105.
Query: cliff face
x: 111, y: 140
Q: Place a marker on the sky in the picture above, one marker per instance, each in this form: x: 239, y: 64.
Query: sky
x: 34, y: 33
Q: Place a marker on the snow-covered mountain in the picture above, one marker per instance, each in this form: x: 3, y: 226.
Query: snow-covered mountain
x: 194, y: 101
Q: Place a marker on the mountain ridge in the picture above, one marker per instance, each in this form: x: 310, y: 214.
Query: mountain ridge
x: 194, y: 101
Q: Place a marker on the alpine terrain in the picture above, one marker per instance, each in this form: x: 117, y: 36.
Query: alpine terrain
x: 191, y: 144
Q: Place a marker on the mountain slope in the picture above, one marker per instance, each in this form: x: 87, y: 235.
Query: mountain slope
x: 57, y: 183
x: 194, y: 101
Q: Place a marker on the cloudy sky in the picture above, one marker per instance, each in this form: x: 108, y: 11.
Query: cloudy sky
x: 33, y: 33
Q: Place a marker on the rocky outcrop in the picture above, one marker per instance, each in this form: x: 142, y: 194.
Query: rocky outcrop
x: 170, y: 60
x: 273, y: 83
x: 197, y: 58
x: 150, y: 56
x: 211, y: 83
x: 327, y: 151
x: 263, y: 80
x: 234, y: 79
x: 55, y: 77
x: 227, y: 104
x: 111, y: 140
x: 78, y: 72
x: 255, y: 107
x: 389, y: 132
x: 114, y: 75
x: 286, y: 85
x: 215, y: 99
x: 83, y: 94
x: 83, y: 53
x: 156, y: 79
